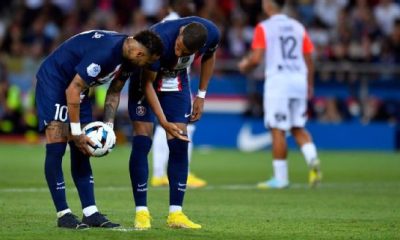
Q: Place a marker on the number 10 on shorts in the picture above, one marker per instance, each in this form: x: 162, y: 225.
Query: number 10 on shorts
x: 61, y: 112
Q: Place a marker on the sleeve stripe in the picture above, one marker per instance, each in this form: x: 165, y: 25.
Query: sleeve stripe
x: 308, y: 46
x: 259, y: 40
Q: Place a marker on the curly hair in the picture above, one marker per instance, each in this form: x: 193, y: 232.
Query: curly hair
x: 151, y: 41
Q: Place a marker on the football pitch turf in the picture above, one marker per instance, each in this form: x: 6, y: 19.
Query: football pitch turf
x: 358, y: 199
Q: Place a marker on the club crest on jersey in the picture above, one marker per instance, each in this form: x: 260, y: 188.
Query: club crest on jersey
x: 93, y: 70
x: 140, y: 111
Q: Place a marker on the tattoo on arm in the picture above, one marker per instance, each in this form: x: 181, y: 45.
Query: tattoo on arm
x: 109, y: 110
x: 112, y: 100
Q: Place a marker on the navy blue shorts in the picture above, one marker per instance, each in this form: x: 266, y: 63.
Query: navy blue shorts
x: 51, y: 105
x: 176, y: 105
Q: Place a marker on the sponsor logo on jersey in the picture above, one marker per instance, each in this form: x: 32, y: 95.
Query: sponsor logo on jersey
x: 93, y: 70
x: 97, y: 35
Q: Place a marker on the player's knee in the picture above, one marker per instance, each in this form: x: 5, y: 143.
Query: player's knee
x: 277, y: 133
x: 141, y: 143
x: 57, y: 132
x: 55, y: 149
x: 298, y: 131
x: 142, y: 128
x: 54, y: 155
x: 178, y: 146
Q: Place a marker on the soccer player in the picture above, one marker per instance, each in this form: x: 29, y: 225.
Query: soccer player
x: 289, y: 82
x: 183, y: 39
x: 177, y: 9
x: 88, y: 59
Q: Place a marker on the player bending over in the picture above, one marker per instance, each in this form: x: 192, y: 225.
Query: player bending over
x: 88, y: 59
x: 170, y: 95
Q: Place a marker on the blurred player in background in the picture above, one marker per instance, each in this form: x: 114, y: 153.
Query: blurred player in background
x: 88, y: 59
x: 166, y: 88
x: 288, y: 84
x: 177, y: 9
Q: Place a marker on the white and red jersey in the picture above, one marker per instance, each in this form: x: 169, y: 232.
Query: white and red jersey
x: 285, y: 40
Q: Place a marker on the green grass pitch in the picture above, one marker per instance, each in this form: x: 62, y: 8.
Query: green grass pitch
x: 359, y: 198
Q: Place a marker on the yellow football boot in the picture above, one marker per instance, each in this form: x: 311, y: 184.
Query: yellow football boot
x: 315, y: 175
x: 159, y: 181
x: 179, y: 220
x: 195, y: 182
x: 142, y: 220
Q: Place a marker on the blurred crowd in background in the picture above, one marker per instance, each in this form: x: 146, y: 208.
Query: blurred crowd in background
x: 357, y: 48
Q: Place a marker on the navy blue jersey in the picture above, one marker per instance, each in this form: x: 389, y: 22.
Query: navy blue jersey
x: 95, y: 55
x: 169, y: 65
x: 172, y: 83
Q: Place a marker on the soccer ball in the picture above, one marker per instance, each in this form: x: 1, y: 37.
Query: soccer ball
x: 102, y: 136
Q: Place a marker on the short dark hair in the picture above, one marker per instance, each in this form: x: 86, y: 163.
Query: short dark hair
x: 151, y: 41
x: 194, y: 36
x: 280, y: 3
x: 174, y: 3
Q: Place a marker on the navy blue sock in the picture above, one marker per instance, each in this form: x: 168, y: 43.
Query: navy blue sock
x: 54, y: 174
x: 139, y: 168
x: 178, y: 165
x: 81, y: 172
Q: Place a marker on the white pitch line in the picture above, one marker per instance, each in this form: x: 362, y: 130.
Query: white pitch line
x: 123, y: 229
x: 234, y: 187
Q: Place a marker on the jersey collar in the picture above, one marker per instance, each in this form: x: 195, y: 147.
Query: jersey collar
x: 279, y: 16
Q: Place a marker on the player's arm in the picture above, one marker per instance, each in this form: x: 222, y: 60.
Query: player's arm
x: 256, y: 55
x: 310, y: 74
x: 308, y: 49
x: 207, y: 69
x: 112, y: 100
x: 148, y: 78
x: 251, y: 61
x: 73, y: 93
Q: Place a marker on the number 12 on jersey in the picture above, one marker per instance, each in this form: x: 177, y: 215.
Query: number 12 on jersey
x: 288, y: 45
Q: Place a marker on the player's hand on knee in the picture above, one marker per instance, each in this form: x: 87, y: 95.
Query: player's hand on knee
x: 175, y: 131
x: 81, y: 142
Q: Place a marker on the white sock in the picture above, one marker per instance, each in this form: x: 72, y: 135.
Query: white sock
x: 142, y: 208
x: 310, y: 153
x: 280, y: 169
x: 63, y: 212
x: 160, y: 152
x: 87, y: 211
x: 190, y: 130
x: 174, y: 208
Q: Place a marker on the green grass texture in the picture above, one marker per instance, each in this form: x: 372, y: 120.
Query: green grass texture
x: 359, y: 197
